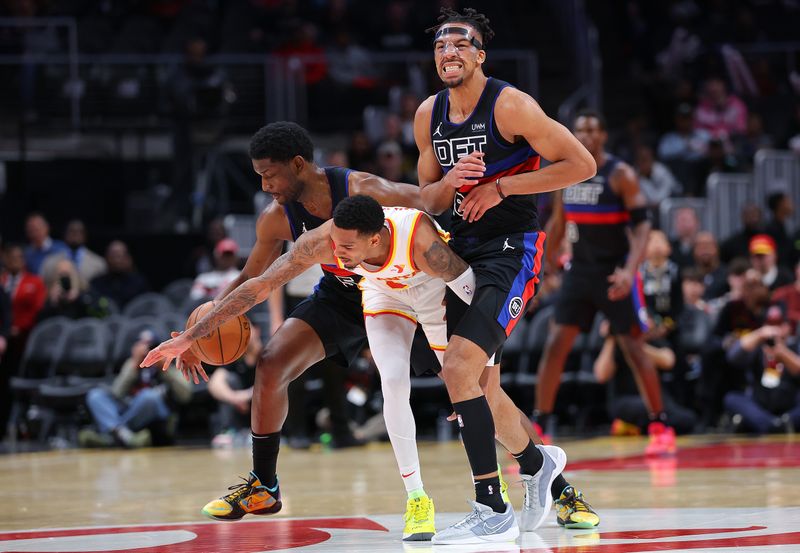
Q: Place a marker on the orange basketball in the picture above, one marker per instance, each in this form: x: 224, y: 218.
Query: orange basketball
x: 224, y: 345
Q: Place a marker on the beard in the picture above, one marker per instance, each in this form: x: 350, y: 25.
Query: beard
x: 291, y: 193
x: 454, y: 84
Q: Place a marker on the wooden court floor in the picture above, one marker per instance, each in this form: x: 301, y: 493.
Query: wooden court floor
x: 721, y: 492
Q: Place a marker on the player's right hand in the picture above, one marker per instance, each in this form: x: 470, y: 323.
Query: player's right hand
x: 466, y: 170
x: 168, y: 351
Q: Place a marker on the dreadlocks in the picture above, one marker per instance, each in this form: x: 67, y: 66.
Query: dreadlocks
x: 470, y: 16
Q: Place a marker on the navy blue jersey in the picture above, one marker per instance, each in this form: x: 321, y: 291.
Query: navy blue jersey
x: 596, y: 221
x: 301, y: 221
x: 451, y: 141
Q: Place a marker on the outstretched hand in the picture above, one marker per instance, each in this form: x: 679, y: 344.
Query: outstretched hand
x: 187, y: 361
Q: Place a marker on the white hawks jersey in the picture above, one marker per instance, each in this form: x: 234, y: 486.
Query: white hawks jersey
x: 399, y: 271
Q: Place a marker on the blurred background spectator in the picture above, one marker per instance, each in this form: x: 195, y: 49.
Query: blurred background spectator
x: 737, y: 245
x: 27, y: 293
x: 139, y: 403
x: 706, y: 261
x: 122, y: 282
x: 225, y: 271
x: 88, y: 263
x: 721, y: 114
x: 788, y: 297
x: 232, y: 387
x: 40, y: 244
x: 686, y: 227
x: 625, y: 404
x: 764, y: 259
x: 66, y: 293
x: 781, y: 208
x: 769, y: 361
x: 685, y: 142
x: 5, y: 369
x: 655, y: 179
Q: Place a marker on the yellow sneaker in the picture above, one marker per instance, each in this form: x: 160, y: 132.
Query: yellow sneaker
x: 251, y: 497
x: 503, y: 485
x: 419, y: 519
x: 573, y: 511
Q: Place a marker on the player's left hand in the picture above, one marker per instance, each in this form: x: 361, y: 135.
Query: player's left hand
x: 621, y: 283
x: 479, y: 200
x: 189, y: 364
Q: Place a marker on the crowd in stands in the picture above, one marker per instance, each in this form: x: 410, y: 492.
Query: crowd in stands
x: 724, y: 310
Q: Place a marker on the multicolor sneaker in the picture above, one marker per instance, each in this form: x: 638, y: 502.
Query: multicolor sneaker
x: 482, y: 525
x: 662, y: 440
x: 251, y: 498
x: 621, y: 428
x: 538, y: 501
x: 573, y: 511
x: 419, y: 521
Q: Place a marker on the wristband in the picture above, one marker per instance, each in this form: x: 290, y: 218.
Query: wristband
x: 464, y: 285
x: 638, y: 215
x: 499, y: 191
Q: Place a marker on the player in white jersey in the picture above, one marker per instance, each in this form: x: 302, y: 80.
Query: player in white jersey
x: 399, y: 287
x: 406, y: 264
x: 399, y: 252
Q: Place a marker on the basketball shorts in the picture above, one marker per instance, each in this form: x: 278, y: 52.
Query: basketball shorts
x: 507, y: 274
x: 421, y: 304
x: 334, y: 312
x: 584, y: 293
x: 336, y: 315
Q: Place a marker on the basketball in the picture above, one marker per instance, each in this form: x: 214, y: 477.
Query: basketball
x: 225, y: 344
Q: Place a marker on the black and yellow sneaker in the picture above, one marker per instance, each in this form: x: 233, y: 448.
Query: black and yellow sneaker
x: 248, y: 498
x: 575, y: 512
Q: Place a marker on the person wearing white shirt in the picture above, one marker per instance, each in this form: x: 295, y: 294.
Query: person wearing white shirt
x: 208, y: 285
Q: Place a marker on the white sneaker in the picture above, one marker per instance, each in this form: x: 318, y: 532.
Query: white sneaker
x: 538, y: 500
x: 482, y: 525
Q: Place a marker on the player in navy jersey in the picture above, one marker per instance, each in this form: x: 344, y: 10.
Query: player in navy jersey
x: 329, y: 324
x: 480, y: 140
x: 598, y: 216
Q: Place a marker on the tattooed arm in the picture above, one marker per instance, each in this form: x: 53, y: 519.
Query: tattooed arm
x: 311, y: 248
x: 432, y: 254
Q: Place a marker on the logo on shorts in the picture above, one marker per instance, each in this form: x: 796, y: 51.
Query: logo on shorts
x: 460, y: 421
x: 507, y: 246
x: 346, y: 281
x: 515, y: 307
x: 642, y: 315
x: 457, y: 200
